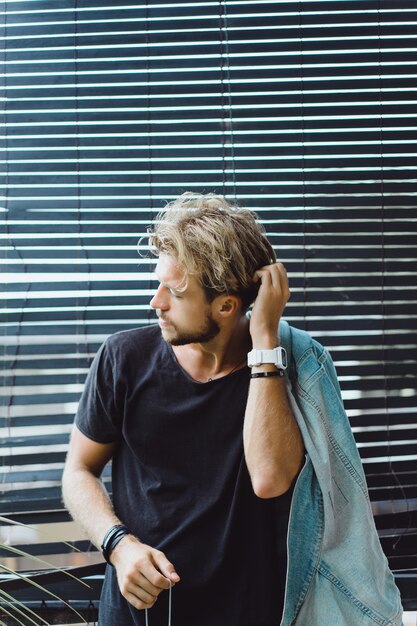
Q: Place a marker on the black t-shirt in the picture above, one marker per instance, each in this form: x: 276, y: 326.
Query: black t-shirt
x: 181, y: 484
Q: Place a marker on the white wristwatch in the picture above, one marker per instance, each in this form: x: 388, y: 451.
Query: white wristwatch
x: 277, y: 357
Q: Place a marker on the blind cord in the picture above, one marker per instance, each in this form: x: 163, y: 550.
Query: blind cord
x: 304, y: 208
x: 81, y: 315
x: 398, y: 532
x: 224, y: 39
x: 14, y: 246
x: 150, y: 313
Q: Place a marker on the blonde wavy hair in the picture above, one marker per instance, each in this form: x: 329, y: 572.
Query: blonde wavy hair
x: 221, y: 244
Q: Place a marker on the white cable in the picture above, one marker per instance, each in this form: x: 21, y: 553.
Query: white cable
x: 169, y: 603
x: 169, y: 608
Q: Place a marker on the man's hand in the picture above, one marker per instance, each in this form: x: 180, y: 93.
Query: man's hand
x: 142, y: 572
x: 269, y: 305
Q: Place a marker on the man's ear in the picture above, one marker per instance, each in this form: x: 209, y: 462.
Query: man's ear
x: 228, y: 305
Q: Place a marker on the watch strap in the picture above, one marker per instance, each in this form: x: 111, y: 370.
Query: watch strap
x: 276, y: 356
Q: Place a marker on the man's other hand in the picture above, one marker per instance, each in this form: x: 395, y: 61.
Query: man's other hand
x: 142, y: 572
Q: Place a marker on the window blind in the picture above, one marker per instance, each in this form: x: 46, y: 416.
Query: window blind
x: 303, y: 111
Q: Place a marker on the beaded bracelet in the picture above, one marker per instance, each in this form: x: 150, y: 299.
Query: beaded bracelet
x: 267, y: 374
x: 111, y: 539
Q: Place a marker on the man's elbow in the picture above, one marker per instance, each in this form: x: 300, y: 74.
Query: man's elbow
x: 73, y: 476
x: 274, y: 482
x: 266, y: 488
x: 70, y: 477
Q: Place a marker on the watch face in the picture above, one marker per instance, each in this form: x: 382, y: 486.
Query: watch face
x: 277, y: 357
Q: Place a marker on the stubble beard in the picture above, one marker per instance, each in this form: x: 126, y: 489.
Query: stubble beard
x: 209, y: 331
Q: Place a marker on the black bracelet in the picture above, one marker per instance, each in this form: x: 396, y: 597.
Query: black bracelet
x: 111, y: 539
x: 266, y: 374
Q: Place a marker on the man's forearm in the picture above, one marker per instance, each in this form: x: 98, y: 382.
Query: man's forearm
x: 274, y: 449
x: 87, y: 501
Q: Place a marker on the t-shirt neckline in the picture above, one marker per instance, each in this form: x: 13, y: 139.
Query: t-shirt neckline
x: 190, y: 378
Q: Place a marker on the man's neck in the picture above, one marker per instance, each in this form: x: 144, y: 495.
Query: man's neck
x: 225, y: 353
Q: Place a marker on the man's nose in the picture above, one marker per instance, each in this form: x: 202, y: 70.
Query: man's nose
x: 159, y: 301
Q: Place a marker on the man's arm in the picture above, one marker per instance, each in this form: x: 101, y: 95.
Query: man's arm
x: 142, y: 572
x: 274, y: 448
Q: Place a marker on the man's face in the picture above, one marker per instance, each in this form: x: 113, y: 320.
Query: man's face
x: 185, y: 316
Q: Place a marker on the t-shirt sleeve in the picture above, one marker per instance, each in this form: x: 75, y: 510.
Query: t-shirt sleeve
x: 97, y: 415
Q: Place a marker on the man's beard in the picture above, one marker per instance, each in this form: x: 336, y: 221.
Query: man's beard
x: 209, y: 331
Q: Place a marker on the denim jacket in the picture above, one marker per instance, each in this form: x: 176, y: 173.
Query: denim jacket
x: 337, y: 573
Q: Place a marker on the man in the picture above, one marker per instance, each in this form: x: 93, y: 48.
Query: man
x: 205, y: 450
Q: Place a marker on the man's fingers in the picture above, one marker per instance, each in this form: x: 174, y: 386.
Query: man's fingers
x: 137, y: 590
x: 158, y: 570
x: 143, y: 595
x: 165, y: 567
x: 148, y: 586
x: 274, y: 275
x: 140, y: 599
x: 283, y: 279
x: 263, y: 277
x: 154, y: 577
